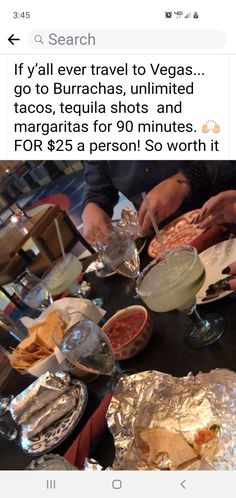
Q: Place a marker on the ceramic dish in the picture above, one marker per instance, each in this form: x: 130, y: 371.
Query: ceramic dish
x: 215, y: 259
x: 179, y: 232
x: 53, y: 435
x: 129, y: 331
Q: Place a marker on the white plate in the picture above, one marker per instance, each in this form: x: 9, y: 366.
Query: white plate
x: 215, y: 259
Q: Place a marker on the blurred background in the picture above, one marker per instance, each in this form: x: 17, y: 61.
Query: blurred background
x: 36, y: 185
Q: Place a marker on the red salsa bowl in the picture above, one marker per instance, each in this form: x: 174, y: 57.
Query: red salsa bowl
x: 129, y: 331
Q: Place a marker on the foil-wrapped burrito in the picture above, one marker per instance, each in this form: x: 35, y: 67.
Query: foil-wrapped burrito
x: 163, y: 422
x: 45, y: 389
x: 50, y: 413
x: 91, y: 464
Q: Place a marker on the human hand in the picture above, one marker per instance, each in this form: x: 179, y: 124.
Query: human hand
x: 164, y: 199
x: 97, y: 223
x: 218, y: 209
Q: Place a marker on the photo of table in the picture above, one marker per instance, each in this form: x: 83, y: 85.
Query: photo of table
x: 166, y: 352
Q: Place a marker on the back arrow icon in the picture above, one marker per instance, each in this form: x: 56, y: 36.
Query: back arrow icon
x: 11, y: 39
x: 182, y: 484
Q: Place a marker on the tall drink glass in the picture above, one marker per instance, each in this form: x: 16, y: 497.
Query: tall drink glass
x: 10, y: 334
x: 32, y: 291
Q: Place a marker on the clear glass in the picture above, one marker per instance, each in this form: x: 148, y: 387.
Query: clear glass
x: 62, y: 275
x: 172, y: 281
x: 10, y: 334
x: 86, y: 347
x: 32, y: 291
x: 102, y: 271
x: 5, y: 403
x: 118, y: 251
x: 8, y: 432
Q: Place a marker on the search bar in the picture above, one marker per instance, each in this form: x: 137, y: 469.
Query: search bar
x: 197, y: 39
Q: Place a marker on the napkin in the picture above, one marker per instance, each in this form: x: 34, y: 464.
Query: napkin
x: 210, y: 237
x: 86, y: 442
x: 69, y: 305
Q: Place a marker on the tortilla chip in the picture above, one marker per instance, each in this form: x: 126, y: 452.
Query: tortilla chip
x: 28, y: 341
x: 40, y: 343
x: 158, y: 441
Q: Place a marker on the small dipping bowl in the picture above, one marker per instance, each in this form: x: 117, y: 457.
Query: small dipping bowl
x: 126, y: 344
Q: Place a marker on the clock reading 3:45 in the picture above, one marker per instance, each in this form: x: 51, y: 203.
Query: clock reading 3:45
x: 21, y: 15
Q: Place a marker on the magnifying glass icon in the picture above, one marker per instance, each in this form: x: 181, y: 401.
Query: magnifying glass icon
x: 38, y: 39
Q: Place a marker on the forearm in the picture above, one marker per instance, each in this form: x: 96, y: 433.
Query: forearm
x: 98, y: 187
x: 104, y: 202
x: 181, y: 179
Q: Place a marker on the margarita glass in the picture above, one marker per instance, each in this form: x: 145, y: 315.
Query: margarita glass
x: 172, y: 282
x: 62, y: 275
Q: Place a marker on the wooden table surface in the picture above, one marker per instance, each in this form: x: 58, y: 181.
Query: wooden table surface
x: 14, y: 238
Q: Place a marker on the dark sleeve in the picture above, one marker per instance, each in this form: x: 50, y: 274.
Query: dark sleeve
x: 99, y: 187
x: 207, y: 178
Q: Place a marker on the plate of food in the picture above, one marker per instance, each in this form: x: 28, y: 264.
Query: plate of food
x: 181, y: 231
x: 215, y: 259
x: 47, y: 411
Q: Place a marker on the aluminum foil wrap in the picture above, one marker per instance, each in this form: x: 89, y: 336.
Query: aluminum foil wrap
x: 50, y: 413
x: 90, y: 464
x: 185, y: 405
x: 50, y: 462
x: 46, y: 388
x: 129, y: 221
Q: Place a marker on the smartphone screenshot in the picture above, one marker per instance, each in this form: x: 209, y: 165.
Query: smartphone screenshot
x: 117, y: 248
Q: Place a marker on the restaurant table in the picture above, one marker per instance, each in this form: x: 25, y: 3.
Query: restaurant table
x: 13, y: 257
x: 166, y: 352
x: 40, y: 230
x: 14, y: 238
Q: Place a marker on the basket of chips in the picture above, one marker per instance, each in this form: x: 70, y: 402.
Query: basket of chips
x: 38, y: 353
x: 35, y: 354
